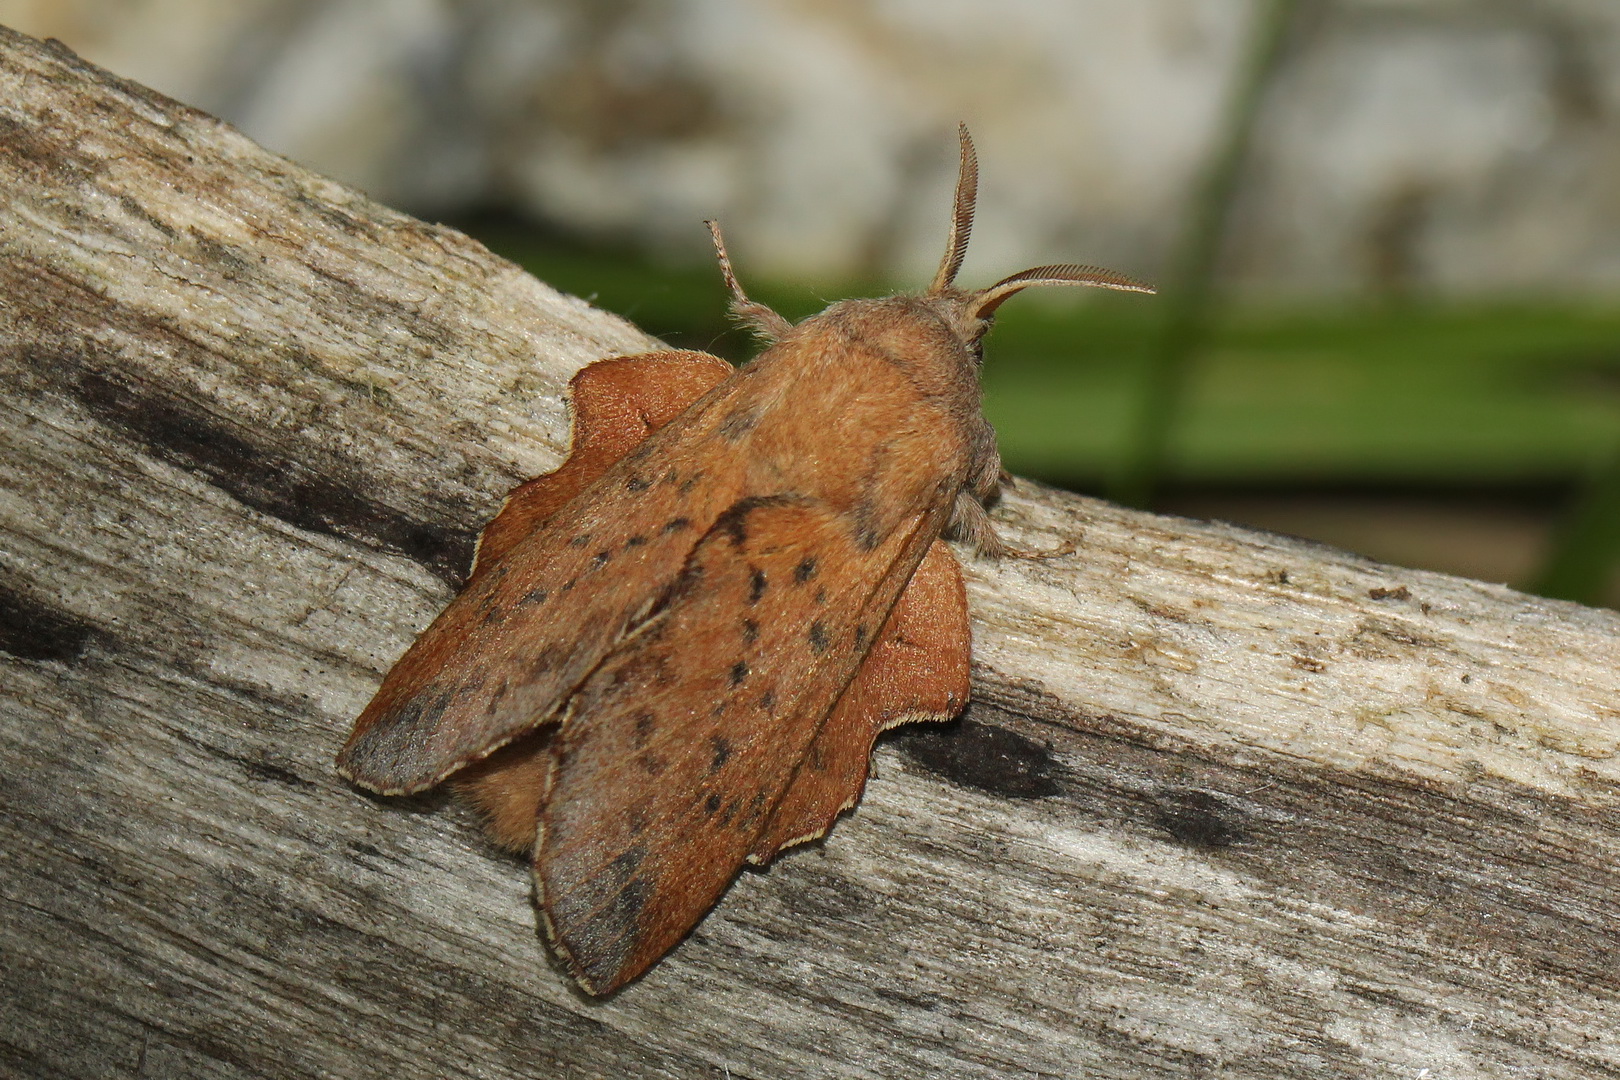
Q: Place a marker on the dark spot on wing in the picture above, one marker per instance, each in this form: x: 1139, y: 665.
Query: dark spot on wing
x: 404, y: 750
x: 734, y: 524
x: 756, y: 807
x: 582, y: 540
x: 866, y: 534
x: 545, y: 659
x: 756, y: 585
x: 712, y: 803
x: 767, y: 701
x: 652, y: 764
x: 750, y: 631
x: 625, y: 865
x: 388, y: 747
x: 818, y: 637
x: 821, y: 596
x: 534, y: 596
x: 569, y: 584
x: 738, y: 422
x: 733, y: 521
x: 635, y: 541
x: 690, y: 482
x: 805, y: 570
x: 31, y: 629
x: 722, y: 753
x: 677, y: 524
x: 739, y: 672
x: 861, y: 635
x: 600, y: 559
x: 601, y: 916
x: 614, y: 926
x: 645, y: 723
x: 637, y: 483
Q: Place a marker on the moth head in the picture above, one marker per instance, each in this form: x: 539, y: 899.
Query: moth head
x: 973, y: 310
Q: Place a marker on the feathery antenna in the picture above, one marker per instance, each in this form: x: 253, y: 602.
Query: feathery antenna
x: 1063, y: 274
x: 967, y: 193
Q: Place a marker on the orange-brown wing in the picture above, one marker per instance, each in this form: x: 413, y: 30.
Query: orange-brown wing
x: 918, y: 670
x: 616, y: 403
x: 678, y: 749
x: 501, y: 657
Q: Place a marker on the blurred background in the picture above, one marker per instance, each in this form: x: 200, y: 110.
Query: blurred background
x: 1387, y: 232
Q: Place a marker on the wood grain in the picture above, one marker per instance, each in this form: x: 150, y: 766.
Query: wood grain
x: 1225, y: 803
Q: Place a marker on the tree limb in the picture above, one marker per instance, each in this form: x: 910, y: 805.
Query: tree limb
x: 1225, y: 803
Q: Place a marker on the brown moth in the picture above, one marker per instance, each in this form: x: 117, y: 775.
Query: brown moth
x: 675, y: 651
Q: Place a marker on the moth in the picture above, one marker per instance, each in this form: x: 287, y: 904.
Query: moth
x: 674, y: 652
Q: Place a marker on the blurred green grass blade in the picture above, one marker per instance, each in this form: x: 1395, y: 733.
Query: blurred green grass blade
x: 1586, y: 547
x: 1187, y: 294
x: 1358, y: 395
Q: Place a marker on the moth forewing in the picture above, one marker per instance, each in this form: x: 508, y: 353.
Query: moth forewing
x: 697, y: 728
x: 503, y: 657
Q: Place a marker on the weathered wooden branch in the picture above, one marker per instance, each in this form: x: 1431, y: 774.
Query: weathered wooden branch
x: 1225, y: 803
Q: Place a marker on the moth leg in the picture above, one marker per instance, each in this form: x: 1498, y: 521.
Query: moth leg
x: 971, y: 523
x: 1063, y: 550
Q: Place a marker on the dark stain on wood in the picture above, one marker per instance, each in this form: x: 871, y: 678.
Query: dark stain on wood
x: 323, y: 497
x: 991, y: 759
x: 31, y: 629
x: 276, y: 774
x: 1200, y: 819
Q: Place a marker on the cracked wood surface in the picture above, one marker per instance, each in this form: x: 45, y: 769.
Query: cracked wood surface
x: 1225, y: 803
